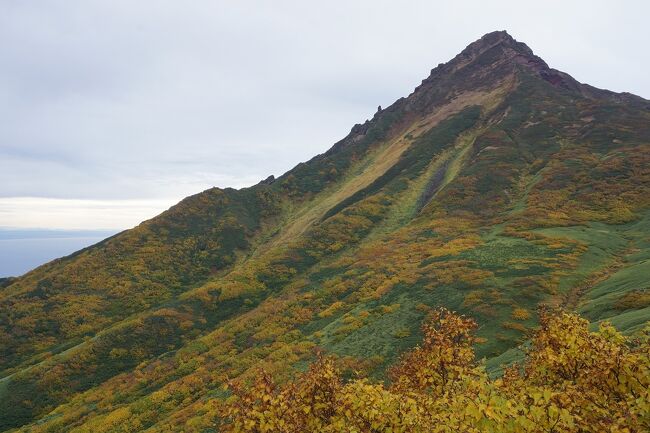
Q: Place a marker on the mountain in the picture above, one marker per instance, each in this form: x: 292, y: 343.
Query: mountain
x: 498, y: 185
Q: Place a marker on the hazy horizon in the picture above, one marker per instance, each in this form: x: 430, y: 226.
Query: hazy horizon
x: 21, y: 250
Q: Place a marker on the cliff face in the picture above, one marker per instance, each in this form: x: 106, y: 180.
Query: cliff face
x: 498, y: 185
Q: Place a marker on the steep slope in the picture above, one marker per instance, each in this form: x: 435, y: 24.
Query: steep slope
x: 497, y: 185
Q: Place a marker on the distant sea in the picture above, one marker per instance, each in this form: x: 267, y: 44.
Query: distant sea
x: 22, y: 250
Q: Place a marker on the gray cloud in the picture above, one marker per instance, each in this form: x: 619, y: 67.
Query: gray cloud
x: 115, y: 99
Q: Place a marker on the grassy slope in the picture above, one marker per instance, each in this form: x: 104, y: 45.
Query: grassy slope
x: 614, y: 265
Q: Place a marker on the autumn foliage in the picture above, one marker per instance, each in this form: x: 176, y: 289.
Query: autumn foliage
x: 572, y: 380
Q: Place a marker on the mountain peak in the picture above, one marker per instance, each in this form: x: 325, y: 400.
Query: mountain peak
x: 495, y: 55
x: 496, y: 49
x: 487, y: 63
x: 493, y: 38
x: 510, y: 48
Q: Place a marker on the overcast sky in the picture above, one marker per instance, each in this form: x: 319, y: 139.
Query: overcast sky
x: 113, y: 110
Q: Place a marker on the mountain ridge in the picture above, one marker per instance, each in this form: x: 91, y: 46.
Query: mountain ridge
x: 486, y: 190
x: 518, y: 53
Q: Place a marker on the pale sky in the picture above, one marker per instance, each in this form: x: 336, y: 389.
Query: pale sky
x: 113, y: 110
